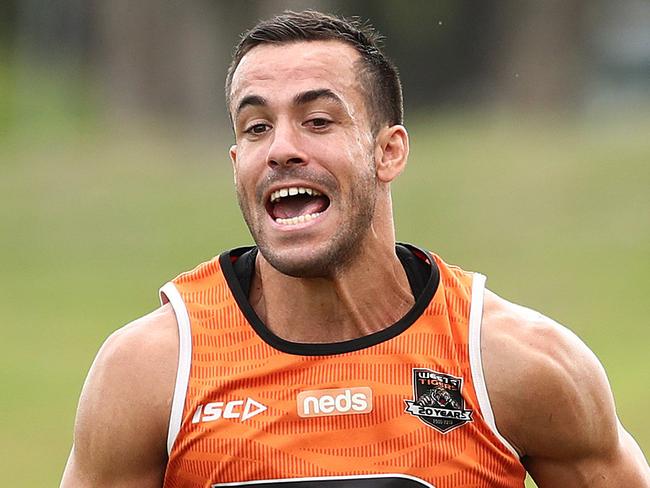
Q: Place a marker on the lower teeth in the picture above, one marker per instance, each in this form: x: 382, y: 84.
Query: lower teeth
x: 297, y: 220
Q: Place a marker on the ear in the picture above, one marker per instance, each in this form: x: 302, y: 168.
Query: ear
x: 233, y: 159
x: 391, y: 152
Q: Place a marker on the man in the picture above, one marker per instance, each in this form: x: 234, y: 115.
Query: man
x: 329, y: 356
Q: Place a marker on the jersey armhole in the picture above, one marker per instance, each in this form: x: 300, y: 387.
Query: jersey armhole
x: 476, y: 364
x: 169, y: 294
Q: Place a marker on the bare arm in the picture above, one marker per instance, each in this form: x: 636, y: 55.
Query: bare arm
x: 552, y: 401
x: 121, y: 424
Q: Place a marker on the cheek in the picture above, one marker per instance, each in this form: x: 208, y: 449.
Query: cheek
x: 354, y: 159
x: 251, y: 152
x: 247, y: 165
x: 344, y: 149
x: 244, y: 182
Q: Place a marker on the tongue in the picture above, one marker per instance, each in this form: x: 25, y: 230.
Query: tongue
x: 289, y: 207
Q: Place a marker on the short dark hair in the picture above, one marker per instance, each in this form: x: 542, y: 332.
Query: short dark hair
x: 379, y: 78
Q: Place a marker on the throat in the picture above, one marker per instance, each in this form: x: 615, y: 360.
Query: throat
x: 321, y: 311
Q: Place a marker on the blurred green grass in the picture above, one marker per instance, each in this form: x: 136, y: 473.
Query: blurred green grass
x: 94, y: 218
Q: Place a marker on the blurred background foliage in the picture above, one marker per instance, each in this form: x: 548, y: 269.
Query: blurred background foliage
x: 530, y: 162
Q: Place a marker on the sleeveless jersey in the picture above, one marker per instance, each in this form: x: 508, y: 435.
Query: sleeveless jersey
x: 405, y: 407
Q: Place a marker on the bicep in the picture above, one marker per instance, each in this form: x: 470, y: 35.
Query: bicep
x: 620, y: 464
x: 78, y: 475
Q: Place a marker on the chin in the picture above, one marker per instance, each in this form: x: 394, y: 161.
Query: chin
x: 308, y: 263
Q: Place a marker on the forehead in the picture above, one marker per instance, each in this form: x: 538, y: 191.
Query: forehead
x: 289, y: 68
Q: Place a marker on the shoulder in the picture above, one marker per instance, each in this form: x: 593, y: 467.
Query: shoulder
x: 552, y: 401
x: 125, y: 404
x: 548, y: 390
x: 135, y: 368
x: 144, y: 341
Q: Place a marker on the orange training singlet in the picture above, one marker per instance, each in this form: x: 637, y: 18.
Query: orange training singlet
x: 406, y: 407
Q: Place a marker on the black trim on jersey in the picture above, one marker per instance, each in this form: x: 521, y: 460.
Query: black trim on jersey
x: 417, y: 269
x: 244, y: 267
x: 421, y: 270
x: 367, y: 481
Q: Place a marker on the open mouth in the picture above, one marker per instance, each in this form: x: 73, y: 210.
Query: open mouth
x: 296, y: 204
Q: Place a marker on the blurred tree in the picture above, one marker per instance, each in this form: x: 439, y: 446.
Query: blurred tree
x: 538, y: 60
x: 169, y: 58
x: 8, y: 13
x: 58, y: 32
x: 160, y: 57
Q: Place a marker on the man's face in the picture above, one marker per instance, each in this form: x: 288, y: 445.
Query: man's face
x: 304, y: 159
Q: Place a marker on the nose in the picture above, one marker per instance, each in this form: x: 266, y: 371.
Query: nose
x: 286, y: 148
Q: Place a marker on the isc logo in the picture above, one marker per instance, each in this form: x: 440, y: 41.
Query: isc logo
x: 337, y: 401
x: 235, y: 409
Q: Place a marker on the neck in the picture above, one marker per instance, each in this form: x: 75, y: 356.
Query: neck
x: 367, y: 296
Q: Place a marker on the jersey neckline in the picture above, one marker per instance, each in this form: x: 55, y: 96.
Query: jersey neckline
x: 227, y: 259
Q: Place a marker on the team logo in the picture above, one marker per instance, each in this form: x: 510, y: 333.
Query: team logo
x: 438, y: 400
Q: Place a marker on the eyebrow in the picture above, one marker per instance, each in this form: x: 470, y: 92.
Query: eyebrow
x: 313, y: 95
x: 300, y: 99
x: 250, y: 100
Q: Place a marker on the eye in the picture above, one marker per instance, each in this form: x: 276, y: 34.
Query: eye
x: 257, y: 129
x: 319, y: 123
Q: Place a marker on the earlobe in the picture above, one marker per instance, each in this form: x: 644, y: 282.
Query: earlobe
x: 391, y: 153
x: 233, y: 160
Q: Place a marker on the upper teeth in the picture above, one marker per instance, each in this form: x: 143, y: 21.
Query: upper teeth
x: 291, y: 191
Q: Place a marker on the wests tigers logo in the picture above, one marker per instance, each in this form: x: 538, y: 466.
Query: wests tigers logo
x: 438, y: 400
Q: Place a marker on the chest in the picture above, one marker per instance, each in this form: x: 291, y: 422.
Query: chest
x: 405, y: 417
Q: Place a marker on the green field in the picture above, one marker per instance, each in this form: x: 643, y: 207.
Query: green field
x: 93, y: 220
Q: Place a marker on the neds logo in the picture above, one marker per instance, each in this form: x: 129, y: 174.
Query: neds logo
x: 337, y: 401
